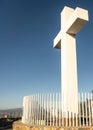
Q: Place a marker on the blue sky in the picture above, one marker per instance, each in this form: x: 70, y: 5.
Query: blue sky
x: 28, y: 62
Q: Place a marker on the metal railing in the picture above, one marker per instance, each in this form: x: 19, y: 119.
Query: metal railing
x: 46, y: 109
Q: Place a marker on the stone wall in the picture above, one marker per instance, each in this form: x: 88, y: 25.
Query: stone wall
x: 20, y: 126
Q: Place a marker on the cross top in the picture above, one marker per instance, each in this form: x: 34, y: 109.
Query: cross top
x: 71, y: 22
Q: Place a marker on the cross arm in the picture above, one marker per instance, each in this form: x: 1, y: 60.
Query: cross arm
x: 57, y: 41
x: 77, y: 20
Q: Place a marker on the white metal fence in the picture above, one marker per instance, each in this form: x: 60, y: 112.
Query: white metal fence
x: 46, y: 109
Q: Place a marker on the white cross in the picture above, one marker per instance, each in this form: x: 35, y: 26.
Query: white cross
x: 71, y: 23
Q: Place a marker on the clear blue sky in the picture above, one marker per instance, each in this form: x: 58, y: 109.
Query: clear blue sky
x: 28, y: 62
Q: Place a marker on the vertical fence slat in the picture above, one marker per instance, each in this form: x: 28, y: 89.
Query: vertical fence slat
x: 53, y: 109
x: 37, y: 109
x: 86, y: 113
x: 89, y: 109
x: 44, y: 109
x: 79, y: 109
x: 92, y: 107
x: 50, y: 109
x: 56, y: 108
x: 30, y: 109
x: 59, y: 104
x: 82, y: 110
x: 47, y: 110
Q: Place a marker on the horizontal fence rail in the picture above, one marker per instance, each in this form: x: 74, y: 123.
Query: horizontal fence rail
x: 46, y: 109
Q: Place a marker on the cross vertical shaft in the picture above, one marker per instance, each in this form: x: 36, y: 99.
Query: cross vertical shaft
x: 71, y: 23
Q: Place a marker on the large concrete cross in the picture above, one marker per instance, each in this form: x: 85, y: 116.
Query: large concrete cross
x: 71, y: 23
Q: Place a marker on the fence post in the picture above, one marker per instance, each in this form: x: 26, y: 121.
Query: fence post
x: 47, y: 110
x: 86, y: 109
x: 89, y: 109
x: 50, y: 103
x: 56, y: 109
x: 59, y: 104
x: 92, y: 108
x: 53, y: 109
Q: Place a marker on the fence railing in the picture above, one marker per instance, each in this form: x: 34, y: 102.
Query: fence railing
x: 46, y: 109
